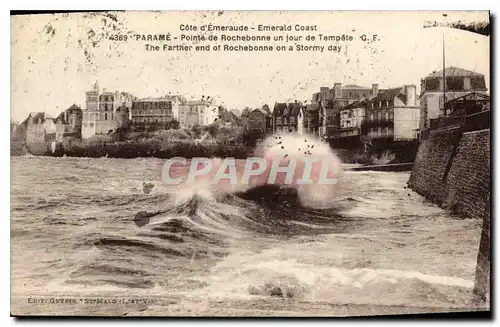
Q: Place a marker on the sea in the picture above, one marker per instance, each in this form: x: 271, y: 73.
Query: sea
x: 257, y: 251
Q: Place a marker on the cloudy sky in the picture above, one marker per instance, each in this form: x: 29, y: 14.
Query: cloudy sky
x: 56, y: 58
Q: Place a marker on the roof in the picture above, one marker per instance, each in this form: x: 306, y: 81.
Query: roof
x: 294, y: 108
x: 390, y: 93
x: 151, y: 99
x: 356, y: 104
x: 279, y: 108
x: 387, y: 95
x: 356, y: 87
x: 60, y: 118
x: 261, y: 111
x: 38, y: 117
x: 74, y: 107
x: 473, y: 96
x: 197, y: 103
x: 454, y: 71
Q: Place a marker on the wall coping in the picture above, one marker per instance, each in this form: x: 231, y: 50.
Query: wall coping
x: 479, y: 131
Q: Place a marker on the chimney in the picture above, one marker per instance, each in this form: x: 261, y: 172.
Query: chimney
x: 374, y: 90
x: 411, y: 95
x: 337, y: 89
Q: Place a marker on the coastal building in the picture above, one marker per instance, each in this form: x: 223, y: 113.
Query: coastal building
x: 122, y: 116
x: 351, y: 118
x: 151, y: 114
x: 285, y: 117
x: 259, y: 120
x: 333, y: 100
x: 188, y: 116
x: 459, y: 82
x: 177, y: 100
x: 100, y: 107
x: 69, y: 123
x: 392, y: 116
x: 40, y: 127
x: 198, y: 112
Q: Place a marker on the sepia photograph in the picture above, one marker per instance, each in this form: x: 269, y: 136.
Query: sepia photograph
x: 250, y: 164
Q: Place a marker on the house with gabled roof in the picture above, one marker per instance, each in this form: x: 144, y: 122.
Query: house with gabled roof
x: 69, y: 123
x: 40, y: 127
x: 259, y: 120
x: 333, y: 100
x: 391, y: 116
x: 285, y: 116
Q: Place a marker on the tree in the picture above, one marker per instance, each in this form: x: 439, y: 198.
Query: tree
x: 212, y: 129
x: 173, y: 124
x: 250, y: 137
x: 196, y: 130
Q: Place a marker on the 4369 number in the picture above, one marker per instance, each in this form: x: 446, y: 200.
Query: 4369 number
x: 118, y: 37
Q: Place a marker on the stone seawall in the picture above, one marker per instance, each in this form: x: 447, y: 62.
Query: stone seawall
x: 452, y: 169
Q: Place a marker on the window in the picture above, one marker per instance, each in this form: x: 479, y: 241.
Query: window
x: 454, y: 83
x: 105, y: 116
x: 432, y: 84
x: 477, y: 83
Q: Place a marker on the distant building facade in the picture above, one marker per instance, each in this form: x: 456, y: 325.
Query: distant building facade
x: 122, y: 116
x: 40, y: 128
x: 351, y: 119
x: 285, y: 117
x: 69, y: 123
x: 100, y: 107
x: 459, y: 82
x: 198, y: 112
x: 259, y: 120
x: 151, y: 114
x: 392, y: 116
x: 332, y: 101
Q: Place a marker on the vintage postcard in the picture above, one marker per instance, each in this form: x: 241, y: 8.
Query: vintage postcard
x: 250, y: 163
